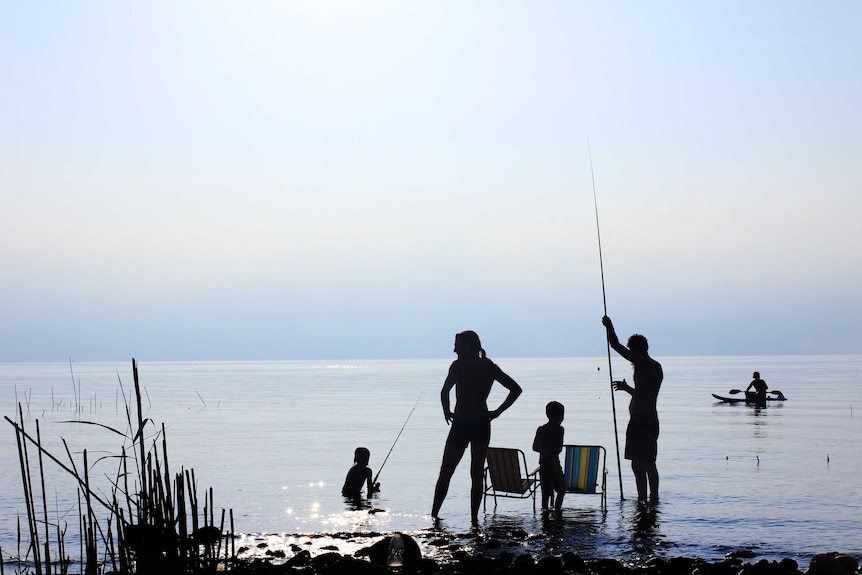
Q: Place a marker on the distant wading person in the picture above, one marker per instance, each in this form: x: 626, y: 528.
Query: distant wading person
x: 472, y: 376
x: 642, y: 431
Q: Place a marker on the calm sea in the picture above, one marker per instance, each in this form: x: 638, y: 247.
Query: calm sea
x: 275, y: 439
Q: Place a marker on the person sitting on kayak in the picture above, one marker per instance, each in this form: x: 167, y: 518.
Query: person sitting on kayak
x: 759, y: 393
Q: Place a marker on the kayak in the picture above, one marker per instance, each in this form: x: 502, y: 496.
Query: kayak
x: 729, y: 399
x: 749, y: 397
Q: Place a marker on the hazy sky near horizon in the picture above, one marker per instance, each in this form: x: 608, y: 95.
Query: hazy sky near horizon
x: 185, y: 180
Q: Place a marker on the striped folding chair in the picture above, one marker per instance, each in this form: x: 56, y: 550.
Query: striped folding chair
x: 506, y: 475
x: 581, y: 472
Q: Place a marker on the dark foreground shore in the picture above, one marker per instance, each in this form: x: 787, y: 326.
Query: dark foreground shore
x: 431, y: 552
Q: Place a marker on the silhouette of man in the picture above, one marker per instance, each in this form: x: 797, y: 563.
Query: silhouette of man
x: 642, y: 431
x: 472, y: 376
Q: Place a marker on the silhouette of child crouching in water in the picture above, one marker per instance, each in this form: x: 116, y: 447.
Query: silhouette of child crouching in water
x: 359, y: 475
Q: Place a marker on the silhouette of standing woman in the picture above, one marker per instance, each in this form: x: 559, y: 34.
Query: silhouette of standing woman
x: 472, y: 376
x: 642, y: 431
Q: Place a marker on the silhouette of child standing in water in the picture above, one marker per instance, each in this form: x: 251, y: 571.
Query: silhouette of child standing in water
x: 549, y: 443
x: 358, y: 475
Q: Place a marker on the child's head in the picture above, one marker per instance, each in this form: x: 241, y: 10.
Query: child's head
x: 555, y: 411
x: 361, y: 456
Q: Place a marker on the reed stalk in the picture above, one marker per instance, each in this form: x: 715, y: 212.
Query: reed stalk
x: 47, y: 543
x: 28, y: 494
x: 154, y: 521
x: 140, y: 437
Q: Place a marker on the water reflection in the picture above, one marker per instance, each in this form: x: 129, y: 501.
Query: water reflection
x: 760, y: 415
x: 627, y: 531
x: 646, y: 539
x: 645, y: 527
x: 757, y: 416
x: 758, y: 422
x: 583, y: 530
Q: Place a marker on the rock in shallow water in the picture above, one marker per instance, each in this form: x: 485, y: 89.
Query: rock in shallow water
x: 833, y: 563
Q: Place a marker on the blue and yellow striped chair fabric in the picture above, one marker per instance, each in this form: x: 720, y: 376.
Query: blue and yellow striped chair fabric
x: 582, y: 469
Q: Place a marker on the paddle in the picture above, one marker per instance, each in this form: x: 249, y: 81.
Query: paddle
x: 778, y: 394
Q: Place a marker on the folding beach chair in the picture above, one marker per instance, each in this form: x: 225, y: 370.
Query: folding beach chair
x: 506, y: 475
x: 581, y: 472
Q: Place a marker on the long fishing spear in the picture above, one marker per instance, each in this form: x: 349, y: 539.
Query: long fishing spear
x: 374, y: 481
x: 605, y: 304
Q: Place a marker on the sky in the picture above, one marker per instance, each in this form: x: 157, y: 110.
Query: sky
x: 219, y: 180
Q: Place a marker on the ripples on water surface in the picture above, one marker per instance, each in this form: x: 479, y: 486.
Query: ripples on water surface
x: 275, y: 439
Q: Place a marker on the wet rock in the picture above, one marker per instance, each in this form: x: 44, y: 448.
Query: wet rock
x: 378, y: 553
x: 606, y: 567
x: 524, y: 564
x: 741, y: 554
x: 726, y: 567
x: 352, y: 566
x: 492, y: 544
x: 478, y: 564
x: 851, y: 564
x: 428, y: 567
x: 574, y: 562
x: 677, y: 566
x: 302, y: 558
x: 323, y: 560
x: 550, y: 566
x: 832, y: 564
x: 277, y: 553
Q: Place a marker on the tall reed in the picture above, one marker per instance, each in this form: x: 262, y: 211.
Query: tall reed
x: 151, y: 522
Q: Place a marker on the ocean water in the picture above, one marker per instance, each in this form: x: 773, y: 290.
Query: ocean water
x: 274, y: 440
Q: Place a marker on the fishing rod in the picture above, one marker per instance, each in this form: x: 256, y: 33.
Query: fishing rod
x: 374, y: 481
x: 605, y: 304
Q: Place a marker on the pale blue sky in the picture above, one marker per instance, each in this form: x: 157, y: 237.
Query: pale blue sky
x: 274, y: 180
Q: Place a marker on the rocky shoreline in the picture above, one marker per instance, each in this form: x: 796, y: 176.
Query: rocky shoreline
x: 450, y: 556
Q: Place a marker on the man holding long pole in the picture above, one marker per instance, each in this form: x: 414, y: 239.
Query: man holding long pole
x: 642, y: 431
